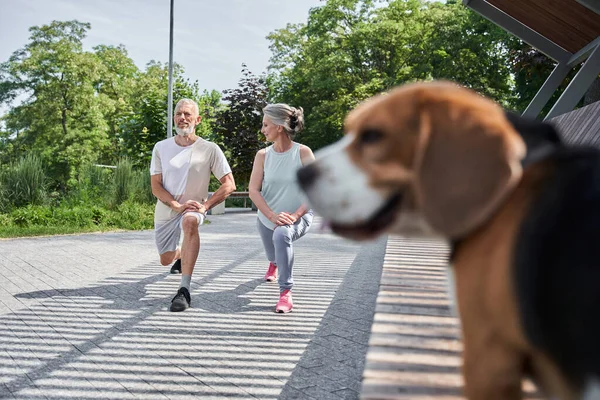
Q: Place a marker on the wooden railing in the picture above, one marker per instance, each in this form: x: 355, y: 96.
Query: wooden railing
x: 220, y: 208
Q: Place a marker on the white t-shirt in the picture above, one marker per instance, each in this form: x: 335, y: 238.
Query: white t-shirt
x: 173, y: 162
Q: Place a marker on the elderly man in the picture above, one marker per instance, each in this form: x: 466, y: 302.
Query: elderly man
x: 180, y: 173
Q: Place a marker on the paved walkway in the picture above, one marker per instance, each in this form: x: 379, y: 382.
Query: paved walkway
x: 85, y: 317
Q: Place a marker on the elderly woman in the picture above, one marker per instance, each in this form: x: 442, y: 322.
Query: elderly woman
x: 282, y: 217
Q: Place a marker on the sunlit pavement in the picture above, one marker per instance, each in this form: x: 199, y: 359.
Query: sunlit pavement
x: 86, y: 317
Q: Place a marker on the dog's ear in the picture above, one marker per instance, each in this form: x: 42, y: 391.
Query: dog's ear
x: 469, y: 161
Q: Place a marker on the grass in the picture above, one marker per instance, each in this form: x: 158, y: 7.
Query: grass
x: 45, y: 220
x: 40, y: 230
x: 99, y: 200
x: 23, y: 183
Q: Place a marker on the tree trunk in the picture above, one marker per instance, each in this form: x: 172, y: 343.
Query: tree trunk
x: 64, y: 121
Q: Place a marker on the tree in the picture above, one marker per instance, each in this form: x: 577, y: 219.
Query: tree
x: 350, y: 50
x: 461, y: 46
x: 115, y: 85
x: 531, y: 68
x: 86, y: 107
x: 238, y: 125
x: 145, y: 123
x: 61, y: 118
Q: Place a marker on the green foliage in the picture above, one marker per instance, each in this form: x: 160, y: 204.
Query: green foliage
x: 31, y: 215
x: 85, y: 107
x: 115, y: 86
x: 146, y: 123
x: 531, y: 68
x: 238, y: 125
x: 142, y: 190
x: 350, y: 50
x: 23, y: 182
x: 80, y: 216
x: 62, y: 120
x: 5, y: 220
x: 210, y: 106
x: 123, y: 181
x: 94, y: 186
x: 130, y: 215
x: 76, y: 109
x: 43, y: 219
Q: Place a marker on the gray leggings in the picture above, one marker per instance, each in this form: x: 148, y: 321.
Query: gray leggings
x: 278, y: 246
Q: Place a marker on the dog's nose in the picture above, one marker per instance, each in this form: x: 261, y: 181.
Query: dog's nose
x: 307, y: 175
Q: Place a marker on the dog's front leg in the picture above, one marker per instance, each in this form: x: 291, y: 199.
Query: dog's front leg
x: 492, y: 371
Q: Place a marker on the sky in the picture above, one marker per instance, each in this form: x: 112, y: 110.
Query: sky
x: 212, y: 38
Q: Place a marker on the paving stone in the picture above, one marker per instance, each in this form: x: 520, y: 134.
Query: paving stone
x: 86, y: 316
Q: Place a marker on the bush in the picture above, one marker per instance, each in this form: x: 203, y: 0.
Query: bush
x: 130, y: 215
x: 32, y: 215
x: 123, y: 181
x: 94, y: 185
x: 4, y: 203
x: 24, y: 183
x: 80, y: 216
x: 48, y: 220
x: 5, y: 220
x: 142, y: 187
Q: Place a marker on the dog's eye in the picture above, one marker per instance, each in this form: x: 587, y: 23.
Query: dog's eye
x: 370, y: 136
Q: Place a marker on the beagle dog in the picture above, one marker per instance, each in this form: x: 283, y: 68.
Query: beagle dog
x: 520, y: 209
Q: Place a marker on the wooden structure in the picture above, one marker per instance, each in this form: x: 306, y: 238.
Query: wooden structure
x: 568, y: 31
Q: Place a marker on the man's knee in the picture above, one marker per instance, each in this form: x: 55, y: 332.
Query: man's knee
x: 167, y: 258
x: 190, y: 224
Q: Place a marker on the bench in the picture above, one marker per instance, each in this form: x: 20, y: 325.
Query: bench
x: 581, y: 126
x: 220, y: 208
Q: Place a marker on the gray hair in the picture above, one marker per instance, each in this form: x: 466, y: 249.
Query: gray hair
x: 290, y: 118
x: 187, y: 101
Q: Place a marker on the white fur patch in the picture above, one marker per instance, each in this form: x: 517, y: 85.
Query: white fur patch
x: 592, y: 390
x: 342, y: 193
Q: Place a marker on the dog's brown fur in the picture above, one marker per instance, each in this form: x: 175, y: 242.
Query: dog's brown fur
x: 458, y: 161
x: 429, y: 128
x: 496, y: 351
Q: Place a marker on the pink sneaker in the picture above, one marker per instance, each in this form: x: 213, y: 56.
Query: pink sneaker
x: 271, y: 274
x: 284, y: 305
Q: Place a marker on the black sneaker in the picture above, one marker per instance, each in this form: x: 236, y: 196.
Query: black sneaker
x: 181, y: 301
x: 176, y: 268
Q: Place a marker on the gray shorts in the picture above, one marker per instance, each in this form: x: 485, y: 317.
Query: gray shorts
x: 168, y: 235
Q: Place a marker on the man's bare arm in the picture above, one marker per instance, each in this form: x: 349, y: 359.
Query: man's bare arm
x: 227, y: 187
x: 159, y: 191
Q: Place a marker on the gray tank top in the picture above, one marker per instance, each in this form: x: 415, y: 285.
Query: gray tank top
x: 279, y: 187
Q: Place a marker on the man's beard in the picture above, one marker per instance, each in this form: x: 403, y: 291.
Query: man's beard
x: 185, y: 131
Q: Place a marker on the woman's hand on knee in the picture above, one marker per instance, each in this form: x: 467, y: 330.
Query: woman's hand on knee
x: 284, y: 218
